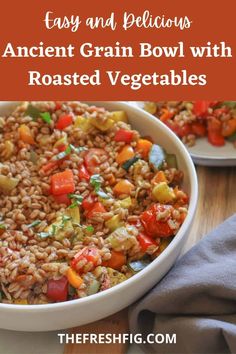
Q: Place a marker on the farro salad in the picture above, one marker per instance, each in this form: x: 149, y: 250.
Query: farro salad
x: 191, y: 120
x: 86, y: 202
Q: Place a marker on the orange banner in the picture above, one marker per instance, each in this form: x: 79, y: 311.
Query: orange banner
x: 123, y: 50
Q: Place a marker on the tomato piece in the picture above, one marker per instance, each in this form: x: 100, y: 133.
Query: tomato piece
x: 153, y: 226
x: 64, y: 121
x: 89, y: 254
x: 57, y: 290
x: 215, y: 136
x: 145, y: 241
x: 83, y: 173
x: 200, y: 108
x: 220, y: 111
x: 62, y: 199
x: 199, y: 129
x: 62, y: 183
x: 96, y: 208
x: 89, y: 202
x: 124, y: 135
x: 181, y: 131
x: 90, y: 159
x: 58, y: 105
x: 61, y: 147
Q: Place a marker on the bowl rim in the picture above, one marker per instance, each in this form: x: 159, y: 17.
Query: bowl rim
x: 51, y: 307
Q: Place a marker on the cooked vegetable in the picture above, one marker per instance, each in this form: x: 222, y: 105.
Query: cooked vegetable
x: 123, y: 187
x: 125, y: 154
x: 137, y: 266
x: 230, y: 104
x: 93, y: 287
x: 154, y: 224
x: 113, y: 223
x: 89, y: 202
x: 115, y: 277
x: 126, y: 165
x: 199, y: 129
x: 64, y: 121
x: 62, y: 182
x: 73, y: 278
x: 62, y: 199
x: 102, y: 125
x: 8, y: 149
x: 96, y: 208
x: 159, y: 177
x: 92, y: 158
x: 124, y: 135
x: 163, y: 193
x: 119, y: 116
x: 171, y: 160
x: 57, y: 290
x: 46, y: 117
x: 229, y: 127
x: 156, y: 156
x: 215, y: 136
x: 123, y: 238
x: 143, y: 147
x: 146, y: 242
x: 125, y: 203
x: 83, y: 173
x: 32, y: 111
x: 117, y: 260
x: 61, y: 142
x: 7, y: 184
x: 25, y: 134
x: 83, y: 123
x: 150, y: 107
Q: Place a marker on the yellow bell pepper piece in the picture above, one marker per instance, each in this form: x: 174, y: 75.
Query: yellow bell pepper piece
x: 103, y: 126
x: 73, y: 278
x: 113, y: 223
x: 163, y: 193
x: 119, y: 116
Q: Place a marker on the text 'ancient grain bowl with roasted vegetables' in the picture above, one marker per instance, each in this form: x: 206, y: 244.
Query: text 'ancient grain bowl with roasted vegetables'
x: 91, y: 196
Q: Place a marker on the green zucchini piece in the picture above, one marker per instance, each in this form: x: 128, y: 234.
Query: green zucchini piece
x: 127, y: 164
x: 171, y: 160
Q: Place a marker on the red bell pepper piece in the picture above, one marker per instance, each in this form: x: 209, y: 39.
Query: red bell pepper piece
x: 200, y: 108
x: 62, y: 199
x: 215, y: 136
x: 64, y: 121
x: 83, y: 173
x: 89, y: 254
x: 153, y: 226
x: 96, y: 208
x: 124, y: 135
x: 145, y: 241
x: 62, y: 183
x: 57, y: 290
x: 199, y: 129
x: 89, y: 202
x: 180, y: 131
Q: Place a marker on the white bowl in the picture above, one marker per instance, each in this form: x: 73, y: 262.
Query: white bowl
x: 78, y: 312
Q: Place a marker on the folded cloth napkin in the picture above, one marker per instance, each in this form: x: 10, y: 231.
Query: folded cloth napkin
x: 196, y: 300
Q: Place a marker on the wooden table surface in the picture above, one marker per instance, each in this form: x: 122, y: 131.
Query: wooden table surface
x: 217, y: 201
